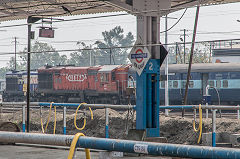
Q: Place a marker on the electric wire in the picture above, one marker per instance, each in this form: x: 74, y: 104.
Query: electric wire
x: 114, y: 47
x: 175, y: 23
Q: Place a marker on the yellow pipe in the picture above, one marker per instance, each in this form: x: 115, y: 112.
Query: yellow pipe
x: 200, y: 125
x: 73, y: 145
x: 55, y: 120
x: 84, y: 121
x: 49, y: 115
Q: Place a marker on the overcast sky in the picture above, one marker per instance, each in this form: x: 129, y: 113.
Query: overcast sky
x: 215, y: 23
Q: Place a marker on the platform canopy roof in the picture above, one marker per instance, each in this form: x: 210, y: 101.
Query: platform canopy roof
x: 21, y: 9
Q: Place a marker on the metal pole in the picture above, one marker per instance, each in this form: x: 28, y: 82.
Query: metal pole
x: 238, y: 116
x: 176, y: 53
x: 191, y: 57
x: 23, y: 118
x: 149, y: 148
x: 214, y: 128
x: 64, y: 120
x: 106, y: 123
x: 207, y: 94
x: 1, y: 110
x: 110, y: 56
x: 90, y: 54
x: 28, y: 76
x: 166, y: 69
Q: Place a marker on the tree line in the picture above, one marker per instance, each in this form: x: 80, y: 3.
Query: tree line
x: 45, y: 54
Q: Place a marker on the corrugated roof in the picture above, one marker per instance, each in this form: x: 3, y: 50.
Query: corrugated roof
x: 21, y: 9
x: 108, y: 68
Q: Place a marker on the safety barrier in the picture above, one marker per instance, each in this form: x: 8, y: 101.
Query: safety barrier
x: 105, y: 106
x: 70, y: 105
x: 157, y: 149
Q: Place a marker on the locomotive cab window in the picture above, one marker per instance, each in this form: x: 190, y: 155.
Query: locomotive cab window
x: 104, y: 77
x: 113, y: 76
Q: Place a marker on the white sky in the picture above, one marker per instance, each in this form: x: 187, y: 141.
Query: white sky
x: 212, y: 19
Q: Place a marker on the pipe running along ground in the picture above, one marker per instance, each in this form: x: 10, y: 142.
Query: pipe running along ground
x: 199, y: 126
x: 49, y: 115
x: 73, y: 146
x: 84, y: 121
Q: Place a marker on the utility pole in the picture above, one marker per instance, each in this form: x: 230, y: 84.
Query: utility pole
x: 191, y: 57
x: 110, y: 56
x: 184, y: 45
x: 90, y: 54
x: 166, y: 69
x: 15, y: 41
x: 30, y: 21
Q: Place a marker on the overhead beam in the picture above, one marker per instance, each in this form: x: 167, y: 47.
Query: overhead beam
x: 12, y: 1
x: 16, y: 9
x: 54, y: 2
x: 119, y: 4
x: 6, y: 12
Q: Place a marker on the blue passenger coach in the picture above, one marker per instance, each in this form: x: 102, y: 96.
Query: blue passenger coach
x: 223, y: 78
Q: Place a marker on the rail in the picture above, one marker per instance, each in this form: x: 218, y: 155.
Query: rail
x: 102, y: 106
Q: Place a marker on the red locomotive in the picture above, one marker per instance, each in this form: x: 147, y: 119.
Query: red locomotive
x: 96, y: 84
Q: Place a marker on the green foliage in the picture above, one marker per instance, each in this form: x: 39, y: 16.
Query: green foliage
x: 3, y: 72
x: 82, y: 57
x: 41, y: 56
x: 113, y: 38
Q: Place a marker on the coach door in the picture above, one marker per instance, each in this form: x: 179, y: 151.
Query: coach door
x: 204, y: 82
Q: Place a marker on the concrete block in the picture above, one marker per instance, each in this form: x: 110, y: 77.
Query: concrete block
x: 137, y: 135
x: 207, y: 138
x: 235, y: 139
x: 224, y: 137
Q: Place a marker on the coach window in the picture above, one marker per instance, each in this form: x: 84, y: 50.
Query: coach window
x: 162, y: 84
x: 211, y: 83
x: 218, y: 84
x: 191, y: 84
x: 183, y: 84
x: 170, y: 84
x: 225, y: 84
x: 175, y: 84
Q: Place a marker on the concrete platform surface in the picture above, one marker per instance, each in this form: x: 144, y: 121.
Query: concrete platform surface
x: 27, y: 152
